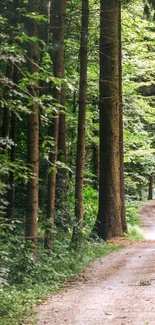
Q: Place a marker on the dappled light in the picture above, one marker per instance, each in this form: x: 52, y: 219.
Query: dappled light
x: 77, y: 161
x: 148, y: 222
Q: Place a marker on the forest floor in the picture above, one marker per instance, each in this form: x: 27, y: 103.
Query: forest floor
x: 117, y: 289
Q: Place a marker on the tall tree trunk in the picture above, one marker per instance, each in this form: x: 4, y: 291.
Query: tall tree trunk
x: 96, y: 166
x: 80, y: 156
x: 150, y: 188
x: 5, y: 125
x: 13, y: 136
x: 62, y: 115
x: 11, y: 191
x: 62, y: 172
x: 33, y: 132
x: 62, y: 128
x: 122, y: 189
x: 1, y: 118
x: 6, y: 110
x: 13, y: 119
x: 72, y: 137
x: 95, y: 160
x: 8, y: 116
x: 109, y: 216
x: 58, y: 10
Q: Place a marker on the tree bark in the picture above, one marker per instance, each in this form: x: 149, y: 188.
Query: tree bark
x: 95, y: 162
x: 58, y: 10
x: 1, y: 118
x: 121, y: 148
x: 150, y: 188
x: 62, y: 172
x: 109, y: 216
x: 5, y: 125
x: 33, y: 132
x: 80, y: 156
x: 11, y: 191
x: 62, y: 128
x: 6, y: 110
x: 13, y: 121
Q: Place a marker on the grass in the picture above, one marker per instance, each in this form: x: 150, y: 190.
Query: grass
x: 133, y: 221
x: 24, y: 283
x: 45, y: 278
x: 134, y: 233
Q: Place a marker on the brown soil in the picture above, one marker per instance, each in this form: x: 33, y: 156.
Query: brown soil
x: 117, y: 289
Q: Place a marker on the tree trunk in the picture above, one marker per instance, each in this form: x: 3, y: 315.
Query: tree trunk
x: 5, y: 125
x: 11, y: 191
x: 150, y: 192
x: 80, y: 157
x: 1, y: 118
x: 62, y: 172
x: 58, y: 10
x: 6, y: 110
x: 95, y: 161
x: 33, y: 132
x: 96, y: 166
x: 14, y: 20
x: 109, y: 216
x: 13, y: 136
x: 62, y: 128
x: 122, y: 189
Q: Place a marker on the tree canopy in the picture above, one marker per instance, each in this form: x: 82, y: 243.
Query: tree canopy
x: 77, y: 143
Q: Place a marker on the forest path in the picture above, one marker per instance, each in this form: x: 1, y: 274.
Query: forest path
x: 117, y: 289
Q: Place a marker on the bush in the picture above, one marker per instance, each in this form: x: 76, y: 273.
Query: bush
x: 90, y: 209
x: 132, y: 212
x: 27, y: 283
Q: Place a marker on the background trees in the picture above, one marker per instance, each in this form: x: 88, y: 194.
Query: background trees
x: 45, y: 89
x: 139, y: 151
x: 41, y: 60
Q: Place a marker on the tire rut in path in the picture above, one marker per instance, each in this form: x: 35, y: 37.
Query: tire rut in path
x: 117, y: 289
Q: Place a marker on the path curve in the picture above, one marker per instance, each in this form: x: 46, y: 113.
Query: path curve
x: 118, y: 289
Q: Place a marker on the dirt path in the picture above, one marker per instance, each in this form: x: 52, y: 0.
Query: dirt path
x: 118, y: 289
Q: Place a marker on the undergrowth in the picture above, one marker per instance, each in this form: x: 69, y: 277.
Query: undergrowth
x: 26, y: 283
x: 133, y: 221
x: 134, y: 233
x: 132, y: 212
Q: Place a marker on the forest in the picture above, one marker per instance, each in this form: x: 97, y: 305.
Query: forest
x: 77, y: 143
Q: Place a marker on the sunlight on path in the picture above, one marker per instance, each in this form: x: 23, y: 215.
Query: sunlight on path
x: 118, y: 289
x: 148, y: 220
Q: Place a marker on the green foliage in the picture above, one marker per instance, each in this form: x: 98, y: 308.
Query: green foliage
x: 132, y: 213
x: 133, y: 221
x: 28, y: 283
x: 138, y: 76
x: 134, y: 233
x: 23, y: 282
x: 90, y: 209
